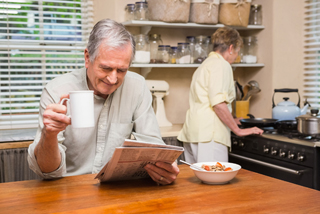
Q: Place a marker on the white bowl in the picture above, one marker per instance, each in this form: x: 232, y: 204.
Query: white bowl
x: 210, y: 177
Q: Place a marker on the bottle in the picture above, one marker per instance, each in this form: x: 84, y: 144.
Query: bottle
x: 191, y: 40
x: 142, y: 49
x: 183, y: 53
x: 130, y: 12
x: 154, y: 44
x: 200, y: 49
x: 162, y: 54
x: 249, y: 49
x: 255, y: 15
x: 173, y: 55
x: 141, y: 11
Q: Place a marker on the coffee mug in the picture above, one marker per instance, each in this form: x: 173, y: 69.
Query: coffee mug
x: 81, y: 108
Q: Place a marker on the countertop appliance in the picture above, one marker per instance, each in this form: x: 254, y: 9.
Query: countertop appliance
x: 159, y: 89
x: 288, y: 155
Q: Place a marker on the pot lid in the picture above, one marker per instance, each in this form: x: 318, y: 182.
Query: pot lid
x: 313, y: 115
x: 286, y: 102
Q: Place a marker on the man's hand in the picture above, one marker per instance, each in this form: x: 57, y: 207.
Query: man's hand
x: 55, y: 118
x: 163, y: 173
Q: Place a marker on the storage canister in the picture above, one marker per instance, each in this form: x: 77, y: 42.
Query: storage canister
x: 204, y: 11
x: 255, y: 15
x: 154, y: 44
x: 234, y: 12
x: 192, y: 41
x: 162, y: 54
x: 183, y: 53
x: 200, y: 49
x: 142, y: 49
x: 249, y: 49
x: 130, y: 12
x: 169, y: 10
x: 173, y: 55
x: 141, y: 11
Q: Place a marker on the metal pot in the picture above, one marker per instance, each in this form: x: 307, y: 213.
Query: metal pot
x: 309, y: 124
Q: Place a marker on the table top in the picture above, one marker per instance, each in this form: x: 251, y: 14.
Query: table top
x: 248, y: 192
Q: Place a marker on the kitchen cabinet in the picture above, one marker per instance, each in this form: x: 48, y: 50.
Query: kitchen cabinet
x: 146, y: 26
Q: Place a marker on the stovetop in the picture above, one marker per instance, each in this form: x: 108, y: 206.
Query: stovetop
x: 291, y: 136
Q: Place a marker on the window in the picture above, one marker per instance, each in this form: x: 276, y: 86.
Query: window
x: 312, y: 53
x: 39, y: 40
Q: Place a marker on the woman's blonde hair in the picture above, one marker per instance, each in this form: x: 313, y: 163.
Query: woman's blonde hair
x: 224, y: 37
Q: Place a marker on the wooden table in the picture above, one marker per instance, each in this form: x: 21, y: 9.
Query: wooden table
x: 249, y: 192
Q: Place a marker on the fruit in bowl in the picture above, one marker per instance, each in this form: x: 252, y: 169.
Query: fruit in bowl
x: 215, y: 172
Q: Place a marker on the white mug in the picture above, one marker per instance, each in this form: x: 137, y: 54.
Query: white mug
x: 81, y: 108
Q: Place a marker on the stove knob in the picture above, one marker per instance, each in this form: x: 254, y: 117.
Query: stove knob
x: 241, y: 144
x: 273, y: 151
x: 282, y: 154
x: 235, y: 142
x: 291, y: 155
x: 300, y: 157
x: 265, y: 149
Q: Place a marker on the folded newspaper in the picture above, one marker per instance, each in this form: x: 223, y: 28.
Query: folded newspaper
x: 128, y: 161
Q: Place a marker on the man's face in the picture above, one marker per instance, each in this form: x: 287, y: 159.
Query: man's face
x: 108, y: 70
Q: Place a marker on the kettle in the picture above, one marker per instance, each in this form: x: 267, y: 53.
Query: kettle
x: 287, y: 110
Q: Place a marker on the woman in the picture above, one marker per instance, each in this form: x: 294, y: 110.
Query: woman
x: 206, y: 131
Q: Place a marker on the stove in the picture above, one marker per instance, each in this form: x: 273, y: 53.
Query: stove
x: 288, y: 156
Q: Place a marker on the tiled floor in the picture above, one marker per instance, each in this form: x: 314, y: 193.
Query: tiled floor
x: 17, y: 135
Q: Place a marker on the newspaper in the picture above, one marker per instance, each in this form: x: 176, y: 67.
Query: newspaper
x: 128, y: 161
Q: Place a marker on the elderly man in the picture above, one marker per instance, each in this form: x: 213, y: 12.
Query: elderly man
x: 122, y: 105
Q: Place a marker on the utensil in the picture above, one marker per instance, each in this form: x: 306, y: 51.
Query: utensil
x: 309, y: 124
x: 192, y: 165
x: 246, y: 89
x: 258, y: 122
x: 254, y: 83
x: 252, y: 91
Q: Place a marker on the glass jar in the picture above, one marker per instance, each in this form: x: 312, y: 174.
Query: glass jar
x: 255, y: 15
x: 250, y: 49
x: 183, y: 53
x: 130, y: 12
x: 142, y: 49
x: 141, y: 11
x: 210, y: 45
x: 173, y: 55
x: 200, y: 49
x: 191, y: 40
x: 154, y: 44
x: 162, y: 54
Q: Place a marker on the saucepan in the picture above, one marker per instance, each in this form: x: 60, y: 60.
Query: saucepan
x: 309, y: 124
x: 258, y: 122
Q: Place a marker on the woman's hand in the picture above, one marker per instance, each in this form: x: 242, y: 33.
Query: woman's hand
x: 163, y: 173
x: 237, y: 120
x: 248, y: 131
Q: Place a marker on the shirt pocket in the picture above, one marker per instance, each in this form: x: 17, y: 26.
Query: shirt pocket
x: 119, y: 132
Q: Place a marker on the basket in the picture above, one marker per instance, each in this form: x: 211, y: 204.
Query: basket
x: 204, y: 11
x: 234, y: 12
x: 169, y: 10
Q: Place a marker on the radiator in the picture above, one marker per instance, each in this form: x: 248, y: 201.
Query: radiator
x: 14, y: 166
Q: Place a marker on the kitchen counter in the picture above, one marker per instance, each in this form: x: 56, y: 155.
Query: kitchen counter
x: 248, y: 192
x: 171, y: 131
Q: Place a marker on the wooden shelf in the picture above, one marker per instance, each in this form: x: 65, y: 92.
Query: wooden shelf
x: 185, y: 25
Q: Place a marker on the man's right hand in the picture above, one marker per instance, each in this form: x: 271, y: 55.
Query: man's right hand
x: 55, y: 118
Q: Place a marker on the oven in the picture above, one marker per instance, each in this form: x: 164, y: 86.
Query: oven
x: 280, y: 156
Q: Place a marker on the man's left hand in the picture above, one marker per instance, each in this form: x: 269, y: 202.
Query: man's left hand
x: 163, y: 173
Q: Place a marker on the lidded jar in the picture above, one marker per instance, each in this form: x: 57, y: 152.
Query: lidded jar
x: 141, y: 11
x: 130, y: 12
x: 191, y: 40
x: 250, y: 49
x: 183, y: 53
x: 255, y: 15
x: 201, y: 49
x: 162, y: 54
x: 142, y: 49
x: 173, y: 55
x: 154, y: 44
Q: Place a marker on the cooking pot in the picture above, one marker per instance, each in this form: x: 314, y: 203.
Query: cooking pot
x: 287, y: 110
x: 309, y: 124
x: 258, y: 122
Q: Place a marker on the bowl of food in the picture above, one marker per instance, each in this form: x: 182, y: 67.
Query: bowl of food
x: 215, y: 172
